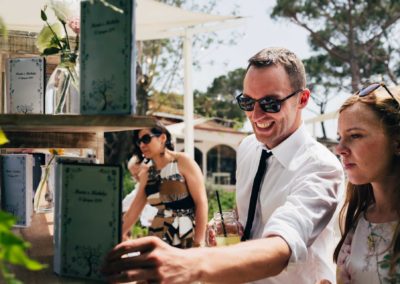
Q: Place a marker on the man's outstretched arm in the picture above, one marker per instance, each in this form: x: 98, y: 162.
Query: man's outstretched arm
x: 243, y: 262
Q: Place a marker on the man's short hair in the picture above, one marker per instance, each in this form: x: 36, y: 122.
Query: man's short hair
x: 281, y: 56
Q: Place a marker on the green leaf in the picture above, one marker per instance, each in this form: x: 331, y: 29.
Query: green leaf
x: 43, y: 15
x: 49, y: 36
x: 16, y: 255
x: 3, y: 28
x: 12, y: 250
x: 6, y: 221
x: 3, y: 138
x: 51, y: 50
x: 8, y: 276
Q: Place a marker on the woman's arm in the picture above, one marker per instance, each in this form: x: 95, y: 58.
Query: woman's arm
x: 195, y: 182
x: 132, y: 215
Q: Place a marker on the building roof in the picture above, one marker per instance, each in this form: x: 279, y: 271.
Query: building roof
x: 208, y: 124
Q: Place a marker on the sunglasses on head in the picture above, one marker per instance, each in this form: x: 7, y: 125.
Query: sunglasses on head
x: 145, y: 139
x: 267, y: 104
x: 371, y: 88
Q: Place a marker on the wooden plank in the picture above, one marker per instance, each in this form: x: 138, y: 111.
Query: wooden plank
x: 3, y: 91
x: 74, y: 123
x: 100, y: 147
x: 52, y: 140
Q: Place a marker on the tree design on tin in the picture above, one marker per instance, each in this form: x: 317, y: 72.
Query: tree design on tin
x: 102, y: 91
x: 90, y: 257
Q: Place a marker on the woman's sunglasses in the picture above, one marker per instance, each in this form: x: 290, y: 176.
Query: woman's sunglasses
x: 267, y: 104
x: 145, y: 139
x: 369, y: 89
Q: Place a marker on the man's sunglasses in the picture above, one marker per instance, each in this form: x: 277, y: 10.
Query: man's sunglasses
x: 146, y: 139
x: 369, y: 89
x: 267, y: 104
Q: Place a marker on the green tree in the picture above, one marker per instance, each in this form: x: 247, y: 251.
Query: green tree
x: 160, y: 61
x: 227, y: 198
x: 167, y: 102
x: 354, y: 41
x: 219, y: 99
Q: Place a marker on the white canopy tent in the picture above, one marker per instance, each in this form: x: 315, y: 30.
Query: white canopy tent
x: 154, y: 20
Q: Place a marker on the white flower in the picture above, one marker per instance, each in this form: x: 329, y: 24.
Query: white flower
x: 65, y: 10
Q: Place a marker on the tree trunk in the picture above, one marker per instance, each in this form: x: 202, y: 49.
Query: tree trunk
x: 355, y: 75
x: 118, y: 147
x: 142, y: 97
x: 354, y: 64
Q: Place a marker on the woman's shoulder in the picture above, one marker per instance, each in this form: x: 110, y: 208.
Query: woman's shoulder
x: 184, y: 161
x: 181, y: 157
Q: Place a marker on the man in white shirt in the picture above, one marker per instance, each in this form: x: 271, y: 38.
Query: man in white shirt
x: 289, y: 238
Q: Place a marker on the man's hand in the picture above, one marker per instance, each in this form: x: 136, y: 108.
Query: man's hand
x: 148, y: 259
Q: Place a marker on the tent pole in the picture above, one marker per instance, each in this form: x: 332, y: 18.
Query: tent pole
x: 188, y: 95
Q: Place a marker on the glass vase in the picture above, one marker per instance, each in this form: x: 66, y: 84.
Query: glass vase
x: 62, y: 89
x: 43, y: 201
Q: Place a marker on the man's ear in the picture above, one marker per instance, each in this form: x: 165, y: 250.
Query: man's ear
x: 304, y: 97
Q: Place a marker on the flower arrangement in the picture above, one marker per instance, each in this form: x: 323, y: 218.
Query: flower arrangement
x: 54, y: 39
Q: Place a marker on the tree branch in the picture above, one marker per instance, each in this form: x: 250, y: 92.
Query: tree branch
x: 326, y: 45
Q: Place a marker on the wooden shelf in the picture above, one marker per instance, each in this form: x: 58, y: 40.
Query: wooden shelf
x: 67, y: 131
x: 73, y: 123
x: 58, y: 131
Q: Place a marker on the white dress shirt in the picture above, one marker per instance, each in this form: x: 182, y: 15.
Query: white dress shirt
x: 298, y: 197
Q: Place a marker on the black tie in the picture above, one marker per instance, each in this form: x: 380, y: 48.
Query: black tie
x: 254, y: 193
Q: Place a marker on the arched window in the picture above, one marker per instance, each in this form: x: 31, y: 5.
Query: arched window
x: 221, y: 164
x: 198, y: 157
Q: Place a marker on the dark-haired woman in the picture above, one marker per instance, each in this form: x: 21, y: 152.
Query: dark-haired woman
x: 173, y: 183
x: 369, y: 146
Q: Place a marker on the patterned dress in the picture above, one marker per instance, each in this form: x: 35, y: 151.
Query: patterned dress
x: 364, y: 257
x: 166, y: 190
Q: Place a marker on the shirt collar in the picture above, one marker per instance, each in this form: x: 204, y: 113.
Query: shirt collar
x: 287, y: 149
